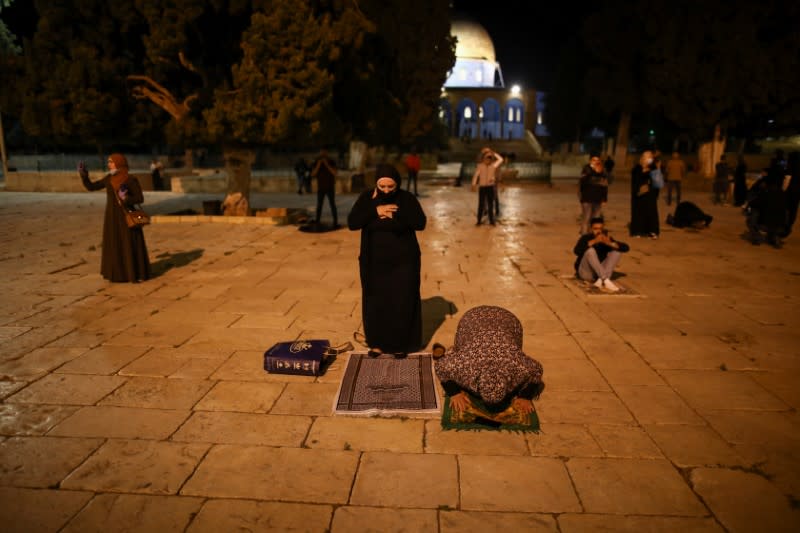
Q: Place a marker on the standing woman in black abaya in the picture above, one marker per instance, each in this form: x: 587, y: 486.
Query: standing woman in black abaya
x: 124, y: 256
x: 389, y: 264
x: 644, y: 199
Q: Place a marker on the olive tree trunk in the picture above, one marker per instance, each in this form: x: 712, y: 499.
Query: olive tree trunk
x: 621, y: 147
x: 238, y: 163
x: 708, y: 153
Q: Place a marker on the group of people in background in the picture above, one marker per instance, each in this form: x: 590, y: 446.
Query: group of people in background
x: 388, y: 218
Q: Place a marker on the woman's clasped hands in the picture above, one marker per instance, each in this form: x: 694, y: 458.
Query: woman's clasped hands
x: 387, y: 210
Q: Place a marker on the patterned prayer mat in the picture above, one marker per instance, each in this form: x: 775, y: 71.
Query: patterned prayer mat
x: 477, y: 417
x: 387, y: 385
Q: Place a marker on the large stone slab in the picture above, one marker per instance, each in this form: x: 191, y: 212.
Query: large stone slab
x: 657, y: 404
x: 427, y: 481
x: 438, y: 440
x: 516, y: 484
x: 241, y: 396
x: 159, y: 393
x: 582, y: 407
x: 358, y: 518
x: 307, y: 398
x: 31, y: 419
x: 134, y: 512
x: 244, y: 428
x: 402, y: 435
x: 42, y: 461
x: 243, y: 515
x: 744, y: 501
x: 722, y: 390
x: 564, y: 440
x: 689, y: 445
x: 103, y: 360
x: 70, y: 389
x: 633, y: 486
x: 137, y: 466
x: 276, y: 474
x: 581, y: 523
x: 121, y: 422
x: 29, y: 510
x: 479, y: 522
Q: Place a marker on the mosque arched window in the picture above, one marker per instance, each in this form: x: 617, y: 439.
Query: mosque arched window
x: 480, y: 112
x: 478, y: 76
x: 467, y: 113
x: 519, y: 115
x: 462, y: 74
x: 511, y: 114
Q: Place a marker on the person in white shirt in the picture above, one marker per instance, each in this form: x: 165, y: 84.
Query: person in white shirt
x: 484, y: 181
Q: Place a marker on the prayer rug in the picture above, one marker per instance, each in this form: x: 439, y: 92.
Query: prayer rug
x: 478, y: 416
x: 387, y: 385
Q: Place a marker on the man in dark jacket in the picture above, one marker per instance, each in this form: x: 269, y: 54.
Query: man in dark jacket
x: 597, y: 255
x: 324, y: 170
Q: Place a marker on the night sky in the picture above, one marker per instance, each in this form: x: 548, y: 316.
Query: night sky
x: 527, y: 46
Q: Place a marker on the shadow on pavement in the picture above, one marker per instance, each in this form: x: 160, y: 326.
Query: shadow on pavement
x: 434, y: 311
x: 167, y: 261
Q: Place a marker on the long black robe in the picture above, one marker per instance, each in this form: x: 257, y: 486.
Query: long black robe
x: 124, y: 256
x: 644, y: 208
x: 389, y: 264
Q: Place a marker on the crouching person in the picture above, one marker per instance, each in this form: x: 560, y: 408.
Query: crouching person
x: 597, y: 255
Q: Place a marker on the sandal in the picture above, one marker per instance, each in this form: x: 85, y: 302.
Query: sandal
x: 360, y: 338
x: 438, y: 350
x: 374, y: 353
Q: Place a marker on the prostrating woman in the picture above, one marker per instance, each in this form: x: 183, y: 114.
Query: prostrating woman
x: 389, y: 263
x: 124, y: 256
x: 487, y: 361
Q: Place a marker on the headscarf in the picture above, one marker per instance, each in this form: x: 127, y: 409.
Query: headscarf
x: 487, y: 357
x: 122, y: 170
x: 385, y: 170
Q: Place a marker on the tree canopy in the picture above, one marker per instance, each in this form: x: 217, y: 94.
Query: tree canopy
x: 696, y: 63
x: 276, y: 72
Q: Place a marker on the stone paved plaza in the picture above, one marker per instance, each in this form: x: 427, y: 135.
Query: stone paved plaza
x: 144, y: 407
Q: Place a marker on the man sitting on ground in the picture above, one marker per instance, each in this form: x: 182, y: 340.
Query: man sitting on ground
x: 597, y: 255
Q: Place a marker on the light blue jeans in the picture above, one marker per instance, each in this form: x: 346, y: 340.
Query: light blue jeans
x: 590, y: 268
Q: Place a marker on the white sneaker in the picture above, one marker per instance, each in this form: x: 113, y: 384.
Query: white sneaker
x: 599, y: 283
x: 610, y: 286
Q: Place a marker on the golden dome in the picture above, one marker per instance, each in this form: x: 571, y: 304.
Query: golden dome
x: 473, y: 40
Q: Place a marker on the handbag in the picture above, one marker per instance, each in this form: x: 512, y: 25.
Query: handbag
x: 135, y: 216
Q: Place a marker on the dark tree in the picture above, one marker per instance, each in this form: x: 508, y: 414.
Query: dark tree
x: 75, y: 87
x: 409, y: 59
x: 705, y: 65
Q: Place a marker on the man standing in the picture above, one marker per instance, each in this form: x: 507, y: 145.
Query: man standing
x: 484, y: 180
x: 597, y: 255
x: 413, y: 164
x: 721, y: 173
x: 324, y: 170
x: 592, y: 191
x: 608, y: 164
x: 676, y: 171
